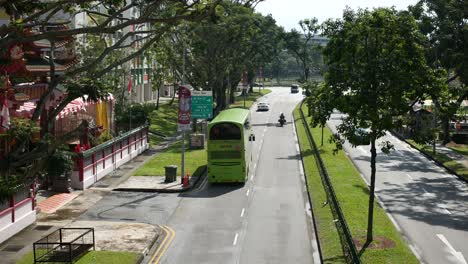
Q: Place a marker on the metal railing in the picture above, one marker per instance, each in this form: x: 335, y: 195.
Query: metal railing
x: 64, y: 245
x: 347, y: 244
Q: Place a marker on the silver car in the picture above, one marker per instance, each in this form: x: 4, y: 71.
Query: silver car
x: 262, y: 106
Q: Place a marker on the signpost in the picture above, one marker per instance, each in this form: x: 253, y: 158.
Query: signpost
x: 183, y: 120
x: 202, y: 104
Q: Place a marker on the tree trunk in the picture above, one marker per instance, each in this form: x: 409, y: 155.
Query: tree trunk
x: 157, y: 98
x: 445, y: 129
x: 370, y: 218
x: 322, y: 135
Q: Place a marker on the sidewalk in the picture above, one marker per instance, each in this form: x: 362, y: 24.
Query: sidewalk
x: 62, y: 210
x: 452, y: 154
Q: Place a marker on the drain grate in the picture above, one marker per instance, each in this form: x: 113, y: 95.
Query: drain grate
x: 43, y: 227
x: 13, y: 248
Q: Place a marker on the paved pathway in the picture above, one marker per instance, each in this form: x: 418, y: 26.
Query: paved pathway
x: 54, y: 202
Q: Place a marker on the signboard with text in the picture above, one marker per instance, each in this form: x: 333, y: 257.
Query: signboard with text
x: 185, y: 101
x: 202, y: 104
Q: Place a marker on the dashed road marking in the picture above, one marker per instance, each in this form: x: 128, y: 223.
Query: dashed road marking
x: 242, y: 213
x: 248, y: 191
x: 409, y: 176
x: 235, y: 239
x: 452, y: 250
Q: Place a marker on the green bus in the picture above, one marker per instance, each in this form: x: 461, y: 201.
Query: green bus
x: 230, y: 146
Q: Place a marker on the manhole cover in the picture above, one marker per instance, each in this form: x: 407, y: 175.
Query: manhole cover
x: 43, y: 227
x: 13, y: 248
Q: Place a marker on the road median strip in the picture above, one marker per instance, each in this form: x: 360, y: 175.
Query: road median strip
x: 352, y: 194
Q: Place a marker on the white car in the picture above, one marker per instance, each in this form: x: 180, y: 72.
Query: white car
x: 262, y: 106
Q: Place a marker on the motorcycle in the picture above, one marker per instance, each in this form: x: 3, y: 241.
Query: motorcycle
x: 281, y: 121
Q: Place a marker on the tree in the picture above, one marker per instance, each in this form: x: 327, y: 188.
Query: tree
x: 218, y: 52
x: 319, y: 102
x: 376, y: 70
x: 445, y: 25
x: 301, y: 46
x: 35, y: 20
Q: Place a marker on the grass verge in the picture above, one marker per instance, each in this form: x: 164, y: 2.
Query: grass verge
x: 195, y: 160
x: 461, y: 149
x: 458, y: 168
x: 249, y: 100
x: 164, y: 121
x: 353, y: 195
x: 95, y: 257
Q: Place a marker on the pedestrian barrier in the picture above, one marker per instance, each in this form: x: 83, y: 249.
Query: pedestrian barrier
x: 347, y: 244
x: 93, y: 164
x: 64, y: 245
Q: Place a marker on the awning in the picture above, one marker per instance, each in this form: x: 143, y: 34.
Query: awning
x: 27, y: 109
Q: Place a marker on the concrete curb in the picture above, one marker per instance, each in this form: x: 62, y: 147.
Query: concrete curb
x: 429, y: 157
x: 153, y: 190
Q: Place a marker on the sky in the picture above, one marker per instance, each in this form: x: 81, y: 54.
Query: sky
x: 287, y: 13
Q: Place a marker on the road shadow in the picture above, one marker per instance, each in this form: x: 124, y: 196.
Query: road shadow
x: 425, y: 200
x: 395, y: 162
x: 265, y: 125
x: 210, y: 190
x: 293, y: 157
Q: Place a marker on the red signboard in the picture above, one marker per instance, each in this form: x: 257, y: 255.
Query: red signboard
x: 185, y: 106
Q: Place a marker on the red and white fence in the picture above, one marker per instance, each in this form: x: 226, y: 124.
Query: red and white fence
x: 17, y: 213
x: 95, y: 163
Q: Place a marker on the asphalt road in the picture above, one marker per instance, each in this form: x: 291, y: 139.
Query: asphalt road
x: 427, y: 203
x: 266, y: 220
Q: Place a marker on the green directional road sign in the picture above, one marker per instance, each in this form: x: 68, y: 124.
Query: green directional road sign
x: 202, y: 104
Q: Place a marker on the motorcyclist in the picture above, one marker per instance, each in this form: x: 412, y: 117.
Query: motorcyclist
x: 281, y: 116
x: 281, y: 120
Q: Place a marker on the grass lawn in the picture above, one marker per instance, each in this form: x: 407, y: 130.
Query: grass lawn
x: 249, y: 100
x: 95, y: 257
x: 327, y: 232
x: 195, y: 160
x: 164, y: 121
x: 352, y: 194
x: 462, y: 149
x: 444, y: 159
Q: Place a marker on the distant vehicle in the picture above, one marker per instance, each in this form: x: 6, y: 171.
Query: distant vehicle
x: 361, y: 136
x: 262, y: 106
x: 230, y: 146
x: 294, y: 88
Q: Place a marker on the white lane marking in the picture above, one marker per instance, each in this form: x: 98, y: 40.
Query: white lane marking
x: 248, y: 191
x: 362, y: 150
x: 444, y: 208
x: 251, y: 176
x: 457, y: 254
x: 409, y: 176
x: 255, y: 166
x: 243, y: 211
x: 235, y: 239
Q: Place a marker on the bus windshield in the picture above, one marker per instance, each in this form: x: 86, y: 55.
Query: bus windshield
x: 225, y: 131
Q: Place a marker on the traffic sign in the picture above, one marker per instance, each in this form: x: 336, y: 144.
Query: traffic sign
x: 202, y: 104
